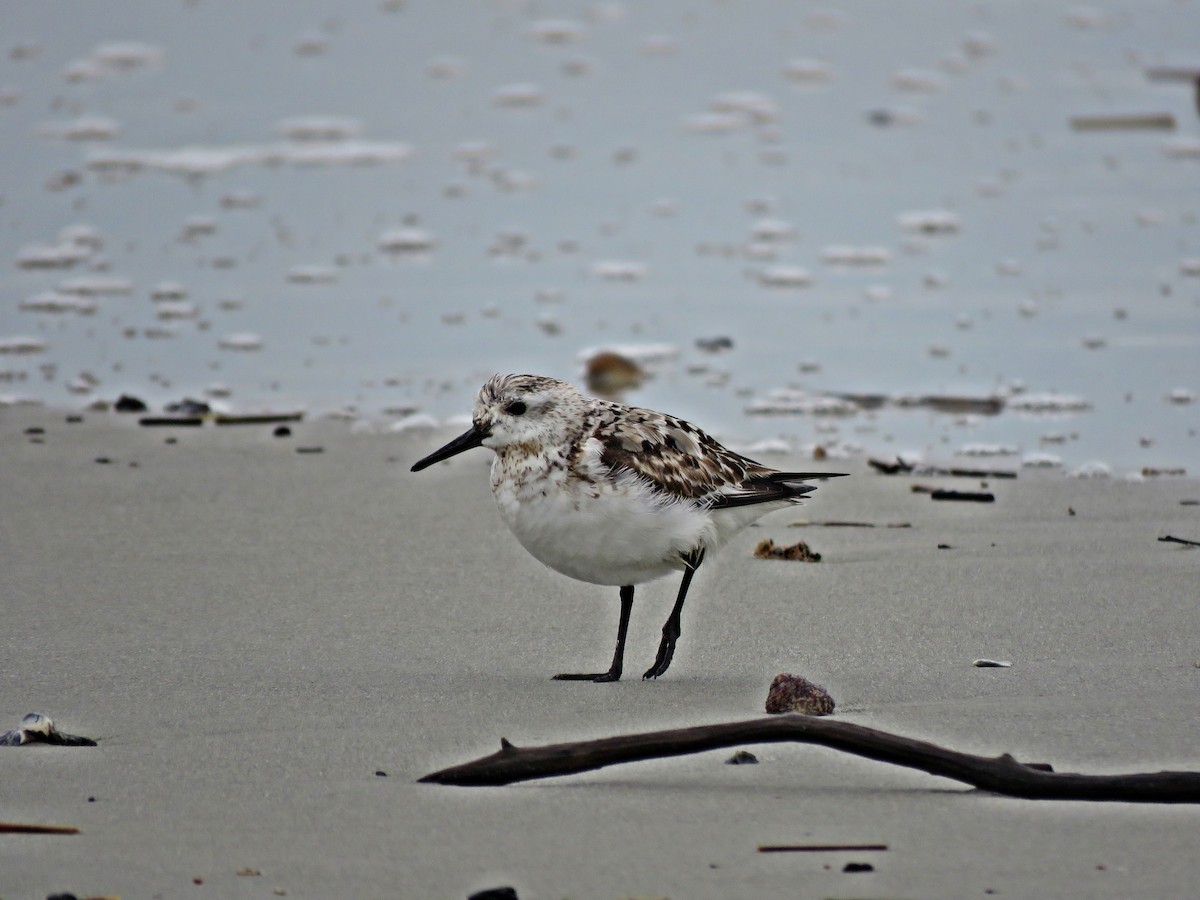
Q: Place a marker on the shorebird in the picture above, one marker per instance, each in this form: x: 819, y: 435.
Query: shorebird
x: 613, y: 494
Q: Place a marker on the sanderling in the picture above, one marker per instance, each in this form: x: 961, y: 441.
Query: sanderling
x: 613, y: 494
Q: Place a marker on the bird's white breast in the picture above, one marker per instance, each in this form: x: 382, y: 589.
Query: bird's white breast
x: 602, y: 529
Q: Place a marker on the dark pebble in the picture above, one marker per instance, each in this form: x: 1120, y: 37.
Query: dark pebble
x: 742, y: 758
x: 127, y: 403
x: 944, y: 547
x: 35, y: 429
x: 500, y: 893
x: 969, y: 496
x: 381, y: 773
x: 858, y: 867
x: 103, y: 460
x: 282, y: 431
x: 91, y: 799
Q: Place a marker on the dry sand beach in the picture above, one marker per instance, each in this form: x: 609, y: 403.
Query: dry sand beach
x: 272, y: 646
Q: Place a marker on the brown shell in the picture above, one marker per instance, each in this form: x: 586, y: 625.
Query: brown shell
x: 795, y: 693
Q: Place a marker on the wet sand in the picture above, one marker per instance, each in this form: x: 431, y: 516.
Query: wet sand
x: 254, y: 634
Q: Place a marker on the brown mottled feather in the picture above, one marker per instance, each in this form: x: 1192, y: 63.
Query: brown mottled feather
x: 682, y: 460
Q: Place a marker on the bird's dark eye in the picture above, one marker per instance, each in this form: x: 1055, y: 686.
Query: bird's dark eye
x: 516, y: 408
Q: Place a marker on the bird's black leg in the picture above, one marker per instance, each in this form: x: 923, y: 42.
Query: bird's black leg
x: 671, y: 630
x: 614, y: 671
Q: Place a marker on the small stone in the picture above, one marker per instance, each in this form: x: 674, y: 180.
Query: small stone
x: 282, y: 431
x: 128, y: 403
x: 381, y: 773
x: 497, y: 893
x: 858, y: 867
x: 742, y: 758
x: 795, y: 693
x: 992, y: 663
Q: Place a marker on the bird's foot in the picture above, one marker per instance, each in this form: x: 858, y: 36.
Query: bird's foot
x: 662, y: 662
x: 599, y: 678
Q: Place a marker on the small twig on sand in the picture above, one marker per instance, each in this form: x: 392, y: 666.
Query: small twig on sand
x: 1174, y: 540
x: 1000, y: 775
x: 20, y: 828
x: 969, y: 496
x: 819, y: 848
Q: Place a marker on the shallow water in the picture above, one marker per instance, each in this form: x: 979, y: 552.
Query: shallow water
x: 615, y: 146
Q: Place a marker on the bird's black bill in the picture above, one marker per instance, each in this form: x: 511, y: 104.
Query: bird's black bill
x: 469, y: 441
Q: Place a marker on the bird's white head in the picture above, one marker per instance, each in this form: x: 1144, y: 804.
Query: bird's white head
x: 525, y: 409
x: 532, y: 411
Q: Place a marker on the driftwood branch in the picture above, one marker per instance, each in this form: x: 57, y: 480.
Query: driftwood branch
x: 1000, y: 775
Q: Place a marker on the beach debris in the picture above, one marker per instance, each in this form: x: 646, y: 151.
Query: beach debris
x: 609, y: 374
x: 742, y: 758
x: 170, y: 421
x: 807, y: 71
x: 188, y: 407
x: 1170, y: 538
x: 1049, y: 403
x: 1041, y: 461
x: 496, y: 893
x: 248, y: 872
x: 988, y: 450
x: 1001, y: 774
x: 23, y: 828
x: 967, y: 496
x: 263, y: 418
x: 406, y: 242
x: 21, y: 345
x: 933, y: 222
x: 836, y: 523
x: 796, y: 694
x: 858, y: 867
x: 903, y: 467
x: 992, y: 663
x: 1161, y: 471
x: 715, y: 344
x: 625, y: 270
x: 129, y: 403
x: 784, y: 276
x: 821, y: 848
x: 1124, y: 122
x: 518, y: 94
x: 800, y: 551
x: 241, y: 341
x: 36, y: 728
x: 1091, y: 469
x: 786, y: 401
x: 850, y: 256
